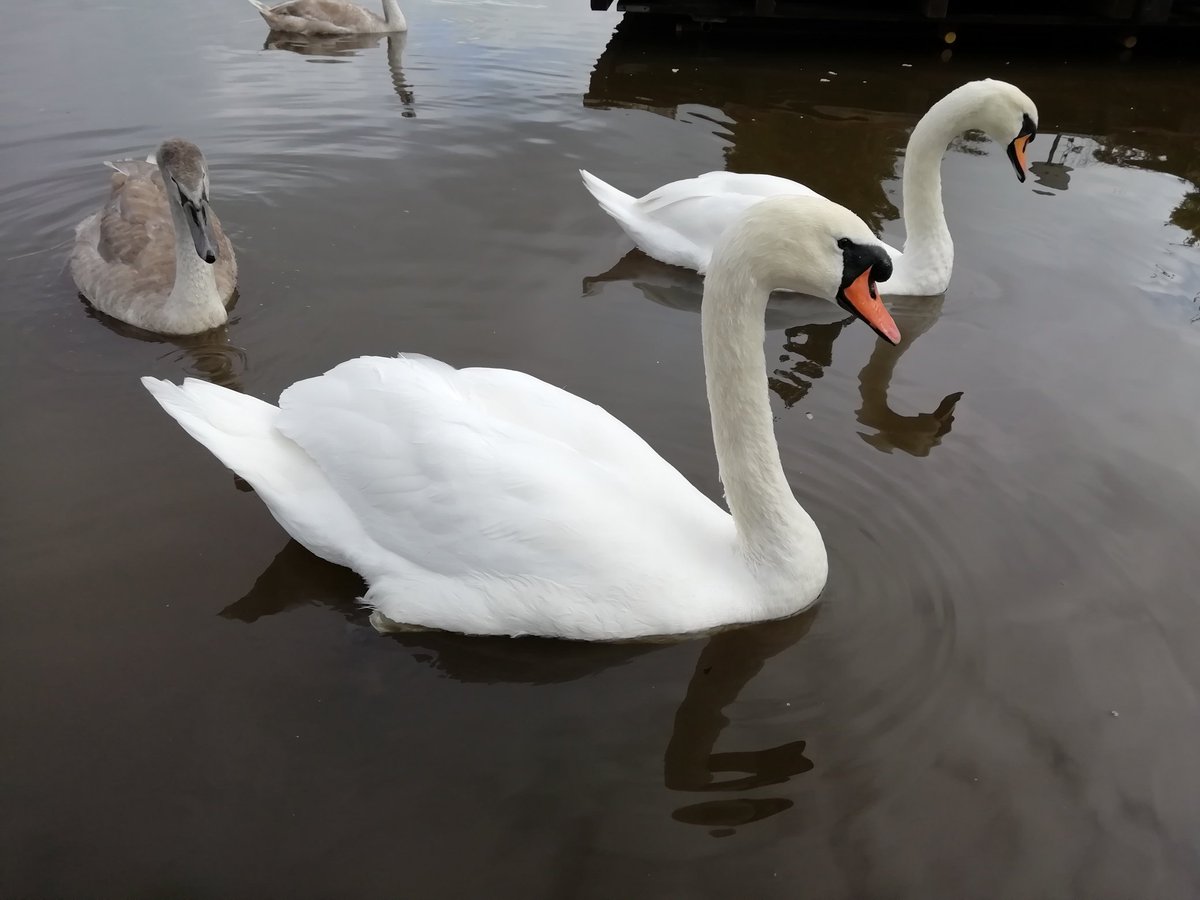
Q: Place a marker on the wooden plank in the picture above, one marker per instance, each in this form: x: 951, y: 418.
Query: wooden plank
x: 1086, y: 13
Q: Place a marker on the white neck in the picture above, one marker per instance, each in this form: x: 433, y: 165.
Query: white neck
x: 194, y: 297
x: 928, y: 248
x: 776, y: 536
x: 393, y: 16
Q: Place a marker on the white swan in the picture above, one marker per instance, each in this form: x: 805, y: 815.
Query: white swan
x: 680, y: 222
x: 155, y: 256
x: 486, y: 501
x: 331, y: 17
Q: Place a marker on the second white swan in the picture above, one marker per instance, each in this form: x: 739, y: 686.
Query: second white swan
x: 679, y: 223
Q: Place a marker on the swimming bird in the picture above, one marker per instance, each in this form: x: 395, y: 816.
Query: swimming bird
x: 679, y: 223
x: 155, y: 256
x: 331, y: 17
x: 486, y: 501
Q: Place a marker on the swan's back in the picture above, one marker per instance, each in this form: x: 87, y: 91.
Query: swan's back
x: 680, y: 222
x: 123, y: 260
x: 504, y: 458
x: 322, y: 17
x: 723, y: 184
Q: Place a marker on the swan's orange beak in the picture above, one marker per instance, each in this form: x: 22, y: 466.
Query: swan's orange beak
x: 862, y: 298
x: 1016, y: 152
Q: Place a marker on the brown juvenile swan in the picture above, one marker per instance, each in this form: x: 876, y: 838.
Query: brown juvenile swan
x: 331, y: 17
x: 155, y: 256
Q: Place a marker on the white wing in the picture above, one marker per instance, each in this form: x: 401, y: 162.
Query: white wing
x: 702, y: 208
x: 478, y: 500
x: 680, y: 222
x: 446, y: 469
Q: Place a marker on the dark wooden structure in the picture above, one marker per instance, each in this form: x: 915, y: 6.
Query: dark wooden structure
x: 947, y: 17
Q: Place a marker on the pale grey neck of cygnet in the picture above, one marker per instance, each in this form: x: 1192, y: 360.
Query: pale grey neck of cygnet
x: 1000, y: 110
x: 185, y: 178
x: 393, y: 16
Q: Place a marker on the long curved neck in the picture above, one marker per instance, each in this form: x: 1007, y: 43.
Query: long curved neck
x: 195, y: 287
x: 393, y: 16
x: 773, y: 529
x: 928, y: 244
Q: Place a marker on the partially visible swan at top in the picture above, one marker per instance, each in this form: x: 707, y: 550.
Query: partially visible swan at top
x: 155, y: 256
x: 331, y: 17
x: 485, y: 501
x: 679, y: 223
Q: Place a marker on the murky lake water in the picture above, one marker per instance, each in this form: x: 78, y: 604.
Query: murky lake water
x: 998, y: 695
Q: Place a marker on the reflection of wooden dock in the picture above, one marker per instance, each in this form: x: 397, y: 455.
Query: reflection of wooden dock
x: 1123, y: 17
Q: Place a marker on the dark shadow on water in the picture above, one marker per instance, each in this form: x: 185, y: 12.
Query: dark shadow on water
x: 210, y: 355
x: 343, y: 48
x: 727, y: 663
x: 691, y: 764
x: 331, y: 46
x: 297, y: 578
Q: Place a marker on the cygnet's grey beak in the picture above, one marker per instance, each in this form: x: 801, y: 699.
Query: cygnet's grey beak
x: 200, y: 225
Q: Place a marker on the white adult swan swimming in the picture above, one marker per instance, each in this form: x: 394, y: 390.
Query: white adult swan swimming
x: 155, y: 256
x: 331, y: 17
x: 680, y: 222
x: 485, y: 501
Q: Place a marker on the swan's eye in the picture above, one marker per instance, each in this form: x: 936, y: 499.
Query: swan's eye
x: 843, y: 243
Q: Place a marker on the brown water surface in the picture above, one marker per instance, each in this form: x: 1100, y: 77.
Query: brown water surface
x: 998, y: 695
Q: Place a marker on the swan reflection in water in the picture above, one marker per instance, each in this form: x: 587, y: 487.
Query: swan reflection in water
x: 210, y: 355
x: 691, y: 765
x: 347, y: 46
x: 726, y: 665
x: 811, y: 326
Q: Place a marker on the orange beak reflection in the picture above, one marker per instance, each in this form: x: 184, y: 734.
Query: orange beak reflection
x: 862, y: 298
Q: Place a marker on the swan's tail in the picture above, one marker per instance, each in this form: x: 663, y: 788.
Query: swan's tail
x: 237, y: 429
x: 240, y: 431
x: 261, y: 7
x: 616, y: 203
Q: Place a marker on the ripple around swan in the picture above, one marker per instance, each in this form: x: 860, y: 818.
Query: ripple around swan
x: 873, y: 675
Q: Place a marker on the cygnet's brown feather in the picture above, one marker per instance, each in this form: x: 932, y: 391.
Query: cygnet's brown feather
x: 124, y: 256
